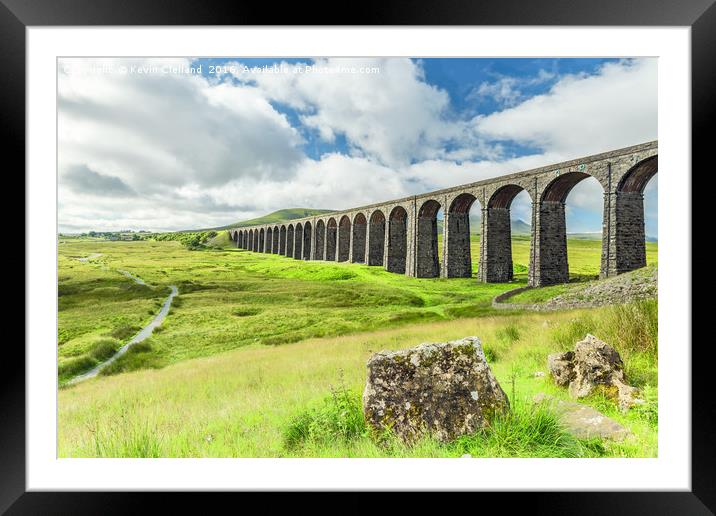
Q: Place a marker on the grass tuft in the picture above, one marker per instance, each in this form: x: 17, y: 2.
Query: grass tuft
x: 245, y: 312
x: 73, y: 366
x: 137, y: 440
x: 526, y: 431
x: 125, y: 331
x: 138, y: 356
x: 338, y: 417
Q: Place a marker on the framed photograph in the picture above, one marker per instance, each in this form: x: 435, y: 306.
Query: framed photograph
x: 415, y: 251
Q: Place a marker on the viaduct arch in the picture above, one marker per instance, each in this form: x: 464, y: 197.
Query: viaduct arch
x: 402, y: 235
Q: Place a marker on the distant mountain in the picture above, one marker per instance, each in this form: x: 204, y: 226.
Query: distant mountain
x: 519, y: 226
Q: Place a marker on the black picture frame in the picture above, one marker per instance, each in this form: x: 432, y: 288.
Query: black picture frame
x: 700, y: 15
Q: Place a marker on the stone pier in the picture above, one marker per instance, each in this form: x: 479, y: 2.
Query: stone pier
x: 402, y: 235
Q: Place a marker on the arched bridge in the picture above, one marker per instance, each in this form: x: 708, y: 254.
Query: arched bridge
x: 401, y: 235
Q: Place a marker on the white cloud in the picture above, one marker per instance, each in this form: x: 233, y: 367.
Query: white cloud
x: 390, y: 115
x: 583, y: 114
x: 333, y: 182
x: 158, y: 134
x: 508, y: 91
x: 158, y: 130
x: 177, y: 151
x: 434, y: 174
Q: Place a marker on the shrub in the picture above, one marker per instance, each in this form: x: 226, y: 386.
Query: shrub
x: 192, y: 240
x: 104, y: 348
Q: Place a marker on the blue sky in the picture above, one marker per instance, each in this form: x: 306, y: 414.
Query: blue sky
x: 177, y: 150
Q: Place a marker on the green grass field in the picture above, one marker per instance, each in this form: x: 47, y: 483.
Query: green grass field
x: 246, y: 361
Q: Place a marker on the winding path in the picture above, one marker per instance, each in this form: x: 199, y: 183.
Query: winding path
x: 139, y: 337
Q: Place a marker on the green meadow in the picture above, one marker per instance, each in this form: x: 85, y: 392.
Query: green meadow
x: 263, y: 355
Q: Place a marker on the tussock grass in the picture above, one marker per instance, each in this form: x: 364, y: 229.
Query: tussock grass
x: 137, y: 440
x: 73, y: 366
x: 124, y: 331
x: 303, y: 400
x: 526, y: 431
x: 230, y: 298
x: 219, y: 380
x: 245, y: 312
x: 104, y: 349
x: 337, y: 422
x: 94, y: 351
x: 339, y: 417
x: 138, y: 356
x: 631, y: 329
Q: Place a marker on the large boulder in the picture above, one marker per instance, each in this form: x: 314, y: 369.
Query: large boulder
x: 593, y: 363
x: 444, y: 389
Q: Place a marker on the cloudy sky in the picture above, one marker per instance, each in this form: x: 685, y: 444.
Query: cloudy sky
x: 166, y: 144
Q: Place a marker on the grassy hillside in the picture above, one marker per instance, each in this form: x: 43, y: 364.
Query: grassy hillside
x: 277, y: 216
x: 304, y: 399
x: 230, y: 298
x: 254, y: 343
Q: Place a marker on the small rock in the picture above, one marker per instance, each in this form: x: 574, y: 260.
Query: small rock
x: 583, y: 421
x: 466, y: 456
x: 538, y: 374
x: 592, y: 363
x: 445, y: 389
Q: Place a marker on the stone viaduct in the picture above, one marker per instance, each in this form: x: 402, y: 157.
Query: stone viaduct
x: 402, y: 235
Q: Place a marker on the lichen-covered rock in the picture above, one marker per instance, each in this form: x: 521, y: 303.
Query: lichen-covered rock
x: 593, y: 363
x: 562, y: 367
x: 444, y: 389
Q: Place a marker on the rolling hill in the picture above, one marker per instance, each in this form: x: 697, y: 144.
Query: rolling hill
x: 276, y: 216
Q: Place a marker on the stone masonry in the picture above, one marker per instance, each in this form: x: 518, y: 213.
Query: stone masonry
x: 376, y: 238
x: 401, y: 235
